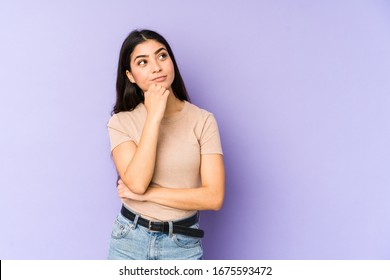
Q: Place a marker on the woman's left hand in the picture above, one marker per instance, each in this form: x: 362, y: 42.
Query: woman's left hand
x: 125, y: 192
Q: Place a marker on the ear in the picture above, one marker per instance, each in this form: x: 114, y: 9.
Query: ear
x: 130, y: 76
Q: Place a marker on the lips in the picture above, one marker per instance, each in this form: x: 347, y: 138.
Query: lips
x: 159, y: 79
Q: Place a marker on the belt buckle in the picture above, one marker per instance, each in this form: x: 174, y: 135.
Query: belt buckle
x: 150, y: 227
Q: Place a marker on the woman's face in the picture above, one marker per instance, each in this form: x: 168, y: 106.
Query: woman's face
x: 151, y: 64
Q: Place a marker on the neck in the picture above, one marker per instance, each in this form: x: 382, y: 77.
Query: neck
x: 174, y: 105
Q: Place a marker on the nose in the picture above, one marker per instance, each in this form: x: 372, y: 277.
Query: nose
x: 156, y: 66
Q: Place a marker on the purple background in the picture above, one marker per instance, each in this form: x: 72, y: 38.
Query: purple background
x: 301, y: 91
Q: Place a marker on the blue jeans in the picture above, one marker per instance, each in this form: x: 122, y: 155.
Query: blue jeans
x: 130, y: 241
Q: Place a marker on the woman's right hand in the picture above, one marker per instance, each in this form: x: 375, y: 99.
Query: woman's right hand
x: 156, y: 101
x: 135, y: 163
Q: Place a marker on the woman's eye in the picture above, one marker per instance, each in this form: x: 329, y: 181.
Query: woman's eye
x: 162, y: 56
x: 142, y: 62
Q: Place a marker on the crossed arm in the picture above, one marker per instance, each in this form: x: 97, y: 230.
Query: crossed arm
x: 209, y: 196
x: 135, y: 165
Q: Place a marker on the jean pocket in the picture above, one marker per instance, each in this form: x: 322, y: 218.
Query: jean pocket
x: 120, y: 228
x: 186, y: 241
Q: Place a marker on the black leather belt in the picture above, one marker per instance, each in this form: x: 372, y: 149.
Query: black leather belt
x: 179, y: 227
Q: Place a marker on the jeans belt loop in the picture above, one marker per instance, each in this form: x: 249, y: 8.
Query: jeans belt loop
x: 135, y: 222
x: 170, y: 229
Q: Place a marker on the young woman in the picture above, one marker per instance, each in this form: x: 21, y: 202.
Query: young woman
x: 167, y: 153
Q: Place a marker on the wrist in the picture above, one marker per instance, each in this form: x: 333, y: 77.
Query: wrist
x: 154, y: 119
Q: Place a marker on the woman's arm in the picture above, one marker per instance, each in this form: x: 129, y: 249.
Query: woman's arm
x: 209, y: 196
x: 135, y: 164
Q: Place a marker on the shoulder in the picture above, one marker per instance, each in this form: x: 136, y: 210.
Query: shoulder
x: 121, y: 118
x: 200, y: 113
x: 202, y: 120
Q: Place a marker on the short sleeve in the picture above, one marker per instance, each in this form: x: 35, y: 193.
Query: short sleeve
x: 117, y: 132
x: 210, y: 142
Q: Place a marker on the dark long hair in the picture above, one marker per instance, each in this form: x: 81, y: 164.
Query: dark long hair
x: 129, y: 95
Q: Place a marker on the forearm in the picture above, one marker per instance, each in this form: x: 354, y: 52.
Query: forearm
x: 140, y: 169
x: 209, y: 196
x: 201, y: 198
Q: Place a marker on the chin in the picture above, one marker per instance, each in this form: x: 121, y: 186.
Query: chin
x: 165, y: 85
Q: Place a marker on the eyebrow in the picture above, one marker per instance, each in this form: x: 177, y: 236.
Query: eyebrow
x: 144, y: 55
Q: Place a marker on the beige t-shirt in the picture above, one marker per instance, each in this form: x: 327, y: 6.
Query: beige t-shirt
x: 183, y: 138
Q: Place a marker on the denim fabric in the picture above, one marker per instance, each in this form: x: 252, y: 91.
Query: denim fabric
x: 130, y: 241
